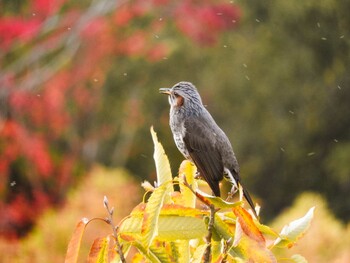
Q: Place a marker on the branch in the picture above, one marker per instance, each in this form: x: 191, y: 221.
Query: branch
x: 115, y: 234
x: 207, y: 253
x: 200, y: 197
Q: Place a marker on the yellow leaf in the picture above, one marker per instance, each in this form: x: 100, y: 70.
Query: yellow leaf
x: 188, y: 170
x: 179, y: 210
x: 249, y: 242
x: 218, y: 202
x: 149, y: 227
x: 183, y: 250
x: 164, y: 175
x: 170, y: 228
x: 99, y: 250
x: 198, y: 253
x: 253, y: 251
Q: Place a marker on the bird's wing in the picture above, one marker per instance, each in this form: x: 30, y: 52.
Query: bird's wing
x: 200, y: 142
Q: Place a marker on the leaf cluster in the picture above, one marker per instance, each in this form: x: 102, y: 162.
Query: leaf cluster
x: 170, y: 226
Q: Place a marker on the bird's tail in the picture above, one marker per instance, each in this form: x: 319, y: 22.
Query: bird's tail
x: 250, y: 201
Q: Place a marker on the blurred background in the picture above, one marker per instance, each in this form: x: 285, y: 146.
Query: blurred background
x: 79, y: 87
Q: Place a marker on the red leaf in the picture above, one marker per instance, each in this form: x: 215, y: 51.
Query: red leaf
x: 123, y: 15
x: 45, y: 7
x: 16, y: 29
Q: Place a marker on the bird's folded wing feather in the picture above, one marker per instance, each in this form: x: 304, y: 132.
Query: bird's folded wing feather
x: 201, y: 144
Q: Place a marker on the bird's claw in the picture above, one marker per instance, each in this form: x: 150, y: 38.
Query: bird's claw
x: 230, y: 194
x: 198, y: 176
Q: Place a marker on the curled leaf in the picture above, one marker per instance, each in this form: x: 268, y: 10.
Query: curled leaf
x: 292, y: 232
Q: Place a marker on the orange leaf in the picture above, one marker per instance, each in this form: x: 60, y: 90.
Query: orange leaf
x: 248, y: 226
x: 248, y: 246
x: 75, y: 242
x: 254, y: 251
x: 138, y: 210
x: 102, y: 249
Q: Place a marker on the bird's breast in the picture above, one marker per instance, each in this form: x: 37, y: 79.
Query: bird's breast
x: 179, y: 131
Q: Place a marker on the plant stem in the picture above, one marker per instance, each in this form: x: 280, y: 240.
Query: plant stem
x: 115, y: 234
x: 207, y: 253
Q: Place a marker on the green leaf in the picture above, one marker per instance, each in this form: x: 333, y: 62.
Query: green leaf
x: 294, y: 230
x: 164, y: 175
x: 266, y: 230
x: 221, y: 228
x: 298, y: 259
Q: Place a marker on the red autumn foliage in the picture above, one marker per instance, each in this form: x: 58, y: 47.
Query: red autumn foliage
x: 204, y: 23
x: 51, y: 83
x: 17, y: 29
x: 46, y: 8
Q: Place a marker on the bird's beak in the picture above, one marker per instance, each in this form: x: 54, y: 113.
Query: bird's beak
x: 165, y: 91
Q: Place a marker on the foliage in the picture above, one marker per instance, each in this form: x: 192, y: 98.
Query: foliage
x: 54, y: 55
x: 327, y: 240
x: 79, y: 82
x: 168, y: 227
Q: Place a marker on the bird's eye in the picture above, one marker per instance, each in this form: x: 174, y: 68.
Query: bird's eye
x: 176, y: 94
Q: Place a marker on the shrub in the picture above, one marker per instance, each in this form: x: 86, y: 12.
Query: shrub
x: 171, y: 226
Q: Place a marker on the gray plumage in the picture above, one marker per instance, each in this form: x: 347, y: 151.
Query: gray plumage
x: 200, y: 139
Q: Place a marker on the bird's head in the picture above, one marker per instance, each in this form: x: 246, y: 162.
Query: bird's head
x: 182, y: 94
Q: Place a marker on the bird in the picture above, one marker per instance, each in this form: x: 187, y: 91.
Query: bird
x: 200, y: 140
